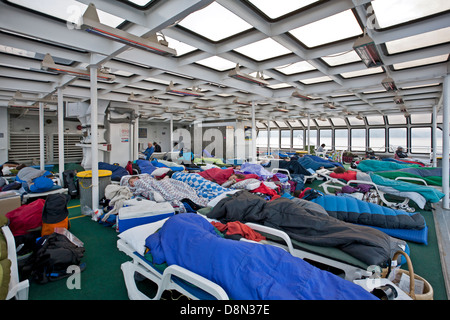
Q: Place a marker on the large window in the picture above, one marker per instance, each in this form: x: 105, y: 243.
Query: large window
x: 325, y: 137
x: 421, y: 140
x: 285, y: 138
x: 297, y: 139
x: 312, y: 137
x: 275, y: 139
x: 358, y: 139
x: 397, y: 138
x: 377, y: 139
x: 341, y: 139
x: 261, y: 139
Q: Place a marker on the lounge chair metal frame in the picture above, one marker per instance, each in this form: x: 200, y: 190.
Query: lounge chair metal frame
x: 166, y: 280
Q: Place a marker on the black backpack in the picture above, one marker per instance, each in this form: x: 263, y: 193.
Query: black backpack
x: 54, y: 253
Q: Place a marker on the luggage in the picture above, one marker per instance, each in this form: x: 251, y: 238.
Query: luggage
x: 55, y: 213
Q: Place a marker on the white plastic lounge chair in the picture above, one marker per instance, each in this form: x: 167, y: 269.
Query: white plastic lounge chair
x: 17, y: 289
x: 172, y: 278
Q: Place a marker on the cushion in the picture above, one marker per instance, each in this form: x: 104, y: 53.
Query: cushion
x: 136, y: 236
x: 160, y: 171
x: 5, y: 277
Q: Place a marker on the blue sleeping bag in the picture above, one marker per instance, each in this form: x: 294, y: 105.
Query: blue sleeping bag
x: 145, y: 166
x: 396, y: 223
x: 117, y: 171
x: 246, y: 271
x: 315, y: 162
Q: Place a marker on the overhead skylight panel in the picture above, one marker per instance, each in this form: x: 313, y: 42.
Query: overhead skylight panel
x: 237, y: 74
x: 91, y: 23
x: 49, y: 64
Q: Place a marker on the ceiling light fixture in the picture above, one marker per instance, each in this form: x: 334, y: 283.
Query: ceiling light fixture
x: 195, y: 106
x: 281, y: 109
x: 329, y: 105
x: 388, y: 84
x: 49, y: 64
x: 367, y: 51
x: 237, y: 74
x: 301, y: 96
x: 243, y: 112
x: 398, y: 100
x: 193, y: 93
x: 153, y: 100
x: 91, y: 23
x: 245, y: 103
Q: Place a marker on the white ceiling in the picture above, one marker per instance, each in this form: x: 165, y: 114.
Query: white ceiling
x: 303, y: 46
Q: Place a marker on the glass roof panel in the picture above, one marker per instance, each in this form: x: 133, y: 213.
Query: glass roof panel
x: 276, y: 9
x: 281, y: 124
x: 421, y: 118
x: 419, y: 41
x: 338, y: 121
x: 181, y: 47
x: 420, y: 62
x: 296, y: 67
x: 341, y: 58
x: 217, y: 63
x: 294, y: 123
x: 279, y: 85
x: 378, y: 119
x: 316, y: 80
x: 396, y: 119
x: 215, y: 22
x: 68, y: 10
x: 340, y: 26
x: 355, y: 121
x: 389, y: 12
x: 263, y: 49
x: 363, y: 72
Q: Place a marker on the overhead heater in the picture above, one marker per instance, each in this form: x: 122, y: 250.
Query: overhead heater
x: 195, y: 106
x: 49, y: 65
x: 153, y: 100
x: 193, y: 93
x: 91, y: 23
x: 237, y: 74
x: 388, y: 84
x: 301, y: 96
x: 367, y: 51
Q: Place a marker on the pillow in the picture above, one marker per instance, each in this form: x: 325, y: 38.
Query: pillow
x: 136, y: 236
x: 5, y: 277
x: 160, y: 171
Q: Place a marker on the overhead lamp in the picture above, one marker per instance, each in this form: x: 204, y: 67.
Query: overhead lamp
x: 237, y: 74
x: 388, y: 84
x: 153, y: 100
x: 193, y: 93
x: 195, y: 106
x: 174, y: 111
x: 359, y: 116
x: 301, y: 96
x: 281, y: 109
x: 213, y: 114
x: 49, y: 64
x: 367, y: 51
x: 245, y: 103
x: 398, y: 100
x: 243, y: 112
x: 329, y: 105
x: 91, y: 23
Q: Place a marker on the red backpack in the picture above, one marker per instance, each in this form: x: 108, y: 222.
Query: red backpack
x: 26, y: 218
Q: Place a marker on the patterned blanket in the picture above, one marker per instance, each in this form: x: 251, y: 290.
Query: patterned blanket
x: 203, y: 187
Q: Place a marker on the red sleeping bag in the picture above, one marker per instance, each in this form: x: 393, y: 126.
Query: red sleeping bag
x: 347, y: 176
x: 217, y: 175
x: 26, y: 217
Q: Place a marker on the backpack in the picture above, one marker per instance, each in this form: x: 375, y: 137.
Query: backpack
x: 71, y: 182
x: 54, y: 253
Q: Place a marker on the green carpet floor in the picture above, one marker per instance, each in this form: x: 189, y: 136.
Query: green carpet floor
x: 103, y: 280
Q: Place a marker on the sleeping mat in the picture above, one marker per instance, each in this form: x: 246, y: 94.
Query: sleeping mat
x: 246, y: 271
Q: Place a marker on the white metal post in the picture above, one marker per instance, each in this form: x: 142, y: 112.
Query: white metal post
x: 309, y: 130
x: 445, y: 141
x: 41, y: 137
x: 94, y: 134
x: 253, y: 153
x: 268, y: 137
x: 434, y: 137
x: 60, y: 135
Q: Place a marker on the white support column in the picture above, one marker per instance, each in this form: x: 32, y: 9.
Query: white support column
x: 94, y: 134
x: 309, y: 131
x: 253, y: 151
x: 171, y: 133
x: 136, y: 138
x: 41, y: 137
x: 434, y: 137
x: 445, y: 141
x: 60, y: 135
x: 268, y: 136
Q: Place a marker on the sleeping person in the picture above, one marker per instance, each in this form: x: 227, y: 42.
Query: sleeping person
x: 166, y: 189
